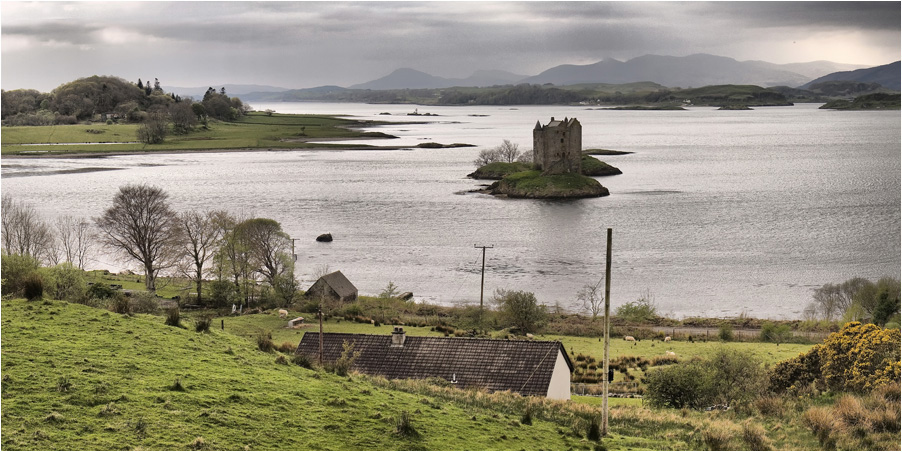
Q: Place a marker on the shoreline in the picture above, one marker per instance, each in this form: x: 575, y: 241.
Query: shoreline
x: 93, y: 154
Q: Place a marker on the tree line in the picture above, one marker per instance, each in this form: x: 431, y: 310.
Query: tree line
x: 115, y: 100
x: 245, y: 260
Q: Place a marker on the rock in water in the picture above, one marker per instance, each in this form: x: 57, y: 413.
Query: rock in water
x: 324, y: 238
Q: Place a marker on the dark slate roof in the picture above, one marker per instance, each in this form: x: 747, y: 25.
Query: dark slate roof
x: 340, y: 284
x: 524, y: 367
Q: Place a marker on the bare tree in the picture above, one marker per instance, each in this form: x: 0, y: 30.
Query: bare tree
x: 486, y: 156
x: 141, y: 225
x: 508, y: 151
x: 24, y: 232
x: 73, y: 240
x: 591, y: 297
x: 202, y: 231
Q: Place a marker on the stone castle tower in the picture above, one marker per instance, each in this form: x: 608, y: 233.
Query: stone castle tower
x: 557, y: 147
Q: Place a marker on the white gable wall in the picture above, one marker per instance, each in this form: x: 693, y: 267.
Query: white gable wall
x: 559, y: 387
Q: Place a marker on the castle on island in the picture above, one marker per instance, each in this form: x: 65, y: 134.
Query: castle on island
x: 557, y: 147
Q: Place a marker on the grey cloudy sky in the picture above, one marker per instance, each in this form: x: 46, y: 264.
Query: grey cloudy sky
x: 306, y: 44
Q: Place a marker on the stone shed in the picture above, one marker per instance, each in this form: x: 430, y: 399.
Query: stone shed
x: 334, y: 286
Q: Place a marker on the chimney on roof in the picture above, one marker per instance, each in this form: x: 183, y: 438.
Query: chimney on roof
x: 398, y: 336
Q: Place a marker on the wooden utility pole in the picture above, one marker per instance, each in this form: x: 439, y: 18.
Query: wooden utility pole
x: 607, y: 336
x: 293, y: 254
x: 320, y: 336
x: 482, y: 284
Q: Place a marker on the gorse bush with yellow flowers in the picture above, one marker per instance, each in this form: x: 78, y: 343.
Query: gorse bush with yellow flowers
x: 858, y: 358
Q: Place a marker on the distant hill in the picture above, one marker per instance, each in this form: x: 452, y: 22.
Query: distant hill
x: 815, y: 69
x: 689, y: 71
x: 887, y: 76
x: 406, y: 78
x: 232, y: 90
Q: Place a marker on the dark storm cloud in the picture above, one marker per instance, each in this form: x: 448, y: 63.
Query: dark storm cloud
x: 54, y: 31
x: 298, y: 44
x: 848, y: 15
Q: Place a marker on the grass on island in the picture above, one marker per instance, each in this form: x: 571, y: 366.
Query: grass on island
x: 533, y: 183
x: 254, y: 131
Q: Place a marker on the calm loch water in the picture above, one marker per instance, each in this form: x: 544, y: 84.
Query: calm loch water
x: 717, y: 212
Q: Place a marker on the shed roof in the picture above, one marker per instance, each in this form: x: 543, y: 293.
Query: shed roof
x: 340, y: 284
x: 524, y: 367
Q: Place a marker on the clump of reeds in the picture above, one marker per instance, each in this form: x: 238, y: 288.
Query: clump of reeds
x: 264, y: 342
x: 754, y: 435
x: 202, y: 324
x: 404, y: 427
x: 173, y: 317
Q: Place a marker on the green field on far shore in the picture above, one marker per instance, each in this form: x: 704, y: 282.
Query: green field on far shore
x: 255, y: 131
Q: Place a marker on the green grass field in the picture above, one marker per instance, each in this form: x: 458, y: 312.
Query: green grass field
x: 254, y: 131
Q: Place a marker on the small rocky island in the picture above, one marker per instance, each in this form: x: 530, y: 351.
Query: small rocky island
x: 559, y: 170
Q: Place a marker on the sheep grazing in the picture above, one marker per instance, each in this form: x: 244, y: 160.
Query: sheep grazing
x: 629, y: 338
x: 283, y: 313
x: 670, y: 353
x: 667, y: 339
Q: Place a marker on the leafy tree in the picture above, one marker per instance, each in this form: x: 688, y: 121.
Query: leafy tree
x: 65, y: 282
x: 772, y: 332
x: 154, y: 129
x: 269, y: 247
x: 200, y: 112
x: 886, y: 307
x: 521, y: 309
x: 641, y: 310
x: 728, y: 377
x: 142, y: 226
x: 21, y: 102
x: 183, y: 117
x: 101, y: 94
x: 854, y: 300
x: 15, y: 268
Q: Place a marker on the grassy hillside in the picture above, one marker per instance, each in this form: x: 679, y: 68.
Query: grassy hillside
x: 75, y: 377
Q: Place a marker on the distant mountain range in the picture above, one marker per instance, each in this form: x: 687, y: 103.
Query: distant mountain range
x: 886, y: 75
x: 406, y: 78
x: 674, y: 72
x: 689, y: 71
